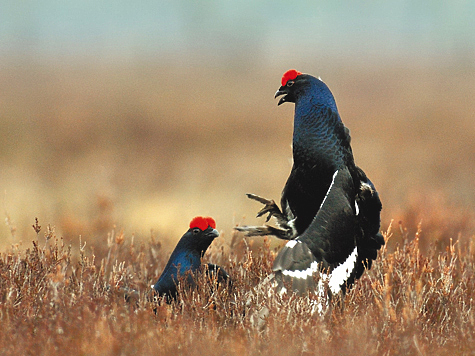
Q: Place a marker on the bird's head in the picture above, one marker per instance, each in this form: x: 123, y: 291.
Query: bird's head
x: 203, y: 228
x: 296, y: 85
x: 292, y: 82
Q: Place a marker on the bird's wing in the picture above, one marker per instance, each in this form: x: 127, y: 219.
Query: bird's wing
x: 369, y: 209
x: 328, y: 243
x: 216, y: 271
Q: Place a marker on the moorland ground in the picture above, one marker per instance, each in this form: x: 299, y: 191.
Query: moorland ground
x: 115, y: 159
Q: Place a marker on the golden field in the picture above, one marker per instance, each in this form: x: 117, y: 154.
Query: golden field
x: 145, y: 146
x: 122, y: 155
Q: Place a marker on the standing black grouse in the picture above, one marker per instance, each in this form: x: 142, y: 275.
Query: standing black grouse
x: 330, y: 209
x: 186, y: 258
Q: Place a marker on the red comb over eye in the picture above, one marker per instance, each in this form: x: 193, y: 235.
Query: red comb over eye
x: 202, y: 223
x: 291, y: 74
x: 211, y: 222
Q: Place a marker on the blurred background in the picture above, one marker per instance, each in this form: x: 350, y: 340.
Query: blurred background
x: 138, y: 116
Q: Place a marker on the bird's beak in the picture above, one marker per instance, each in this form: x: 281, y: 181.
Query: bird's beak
x: 213, y: 233
x: 279, y: 92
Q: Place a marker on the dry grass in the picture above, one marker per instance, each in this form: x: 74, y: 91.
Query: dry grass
x: 408, y: 303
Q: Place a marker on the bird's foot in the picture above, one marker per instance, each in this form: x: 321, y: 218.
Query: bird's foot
x: 284, y: 231
x: 271, y: 208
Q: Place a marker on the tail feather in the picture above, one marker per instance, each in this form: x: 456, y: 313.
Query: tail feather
x: 295, y: 266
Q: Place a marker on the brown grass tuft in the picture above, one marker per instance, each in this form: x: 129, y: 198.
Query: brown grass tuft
x: 408, y: 303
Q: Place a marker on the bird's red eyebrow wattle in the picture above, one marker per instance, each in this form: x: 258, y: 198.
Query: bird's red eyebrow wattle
x: 211, y: 222
x: 202, y: 223
x: 291, y: 74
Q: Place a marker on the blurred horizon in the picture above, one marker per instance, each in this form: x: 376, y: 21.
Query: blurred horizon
x: 140, y: 116
x: 270, y: 32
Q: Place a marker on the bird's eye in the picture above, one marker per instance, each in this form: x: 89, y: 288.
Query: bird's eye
x: 290, y: 83
x: 196, y: 231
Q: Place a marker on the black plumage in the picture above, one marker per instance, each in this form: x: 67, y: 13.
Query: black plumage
x: 185, y: 260
x: 330, y: 209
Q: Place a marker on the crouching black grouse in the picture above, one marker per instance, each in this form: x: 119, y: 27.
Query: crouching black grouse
x: 186, y: 258
x: 330, y: 209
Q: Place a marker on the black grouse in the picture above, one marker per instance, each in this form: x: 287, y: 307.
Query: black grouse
x: 185, y: 260
x: 330, y: 209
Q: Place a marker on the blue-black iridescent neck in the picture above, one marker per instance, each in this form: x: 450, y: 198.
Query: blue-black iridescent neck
x: 315, y: 138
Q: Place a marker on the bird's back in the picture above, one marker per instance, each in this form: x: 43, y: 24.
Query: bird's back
x: 180, y: 264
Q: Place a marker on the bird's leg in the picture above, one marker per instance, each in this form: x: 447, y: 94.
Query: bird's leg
x: 265, y: 230
x: 284, y: 231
